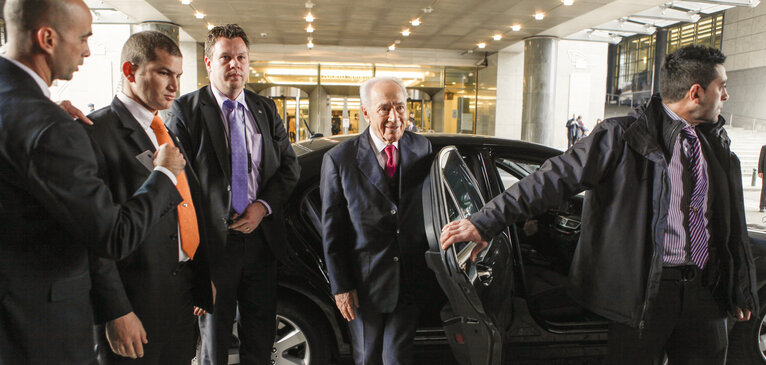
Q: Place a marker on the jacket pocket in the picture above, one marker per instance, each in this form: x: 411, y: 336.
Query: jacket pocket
x: 68, y: 288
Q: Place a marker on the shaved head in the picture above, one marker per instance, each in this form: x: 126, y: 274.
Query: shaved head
x: 23, y: 17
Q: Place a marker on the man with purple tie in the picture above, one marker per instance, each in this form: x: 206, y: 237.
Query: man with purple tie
x: 663, y: 253
x: 247, y: 169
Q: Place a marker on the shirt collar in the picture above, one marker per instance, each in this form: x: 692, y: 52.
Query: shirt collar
x: 220, y: 98
x: 379, y: 144
x: 674, y: 116
x: 39, y: 80
x: 142, y: 115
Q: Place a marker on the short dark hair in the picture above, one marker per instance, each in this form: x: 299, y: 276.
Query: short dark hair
x: 27, y: 15
x: 142, y: 47
x: 229, y: 31
x: 688, y: 66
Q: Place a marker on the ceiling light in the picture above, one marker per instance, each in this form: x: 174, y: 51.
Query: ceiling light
x: 210, y: 26
x: 199, y: 15
x: 310, y: 29
x: 186, y: 2
x: 516, y: 27
x: 392, y: 47
x: 497, y: 37
x: 310, y: 44
x: 482, y: 45
x: 309, y: 18
x: 539, y: 16
x: 415, y: 22
x: 428, y: 9
x: 406, y: 32
x: 309, y: 4
x: 568, y: 2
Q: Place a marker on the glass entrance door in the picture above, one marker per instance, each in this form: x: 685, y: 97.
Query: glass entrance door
x: 293, y: 111
x: 421, y: 113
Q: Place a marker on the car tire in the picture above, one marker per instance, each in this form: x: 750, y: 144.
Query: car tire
x: 302, y: 335
x: 747, y: 341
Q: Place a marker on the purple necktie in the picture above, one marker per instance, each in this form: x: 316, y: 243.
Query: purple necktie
x: 233, y: 112
x: 390, y: 160
x: 697, y: 236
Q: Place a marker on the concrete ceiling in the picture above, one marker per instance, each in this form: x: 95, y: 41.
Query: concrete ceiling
x: 452, y: 24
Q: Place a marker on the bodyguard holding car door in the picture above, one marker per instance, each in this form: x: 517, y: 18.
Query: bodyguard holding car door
x: 372, y: 232
x: 663, y: 252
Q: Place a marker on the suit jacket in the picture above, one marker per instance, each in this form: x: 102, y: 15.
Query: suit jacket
x: 143, y: 281
x: 196, y: 120
x: 54, y: 209
x: 366, y: 234
x: 762, y: 160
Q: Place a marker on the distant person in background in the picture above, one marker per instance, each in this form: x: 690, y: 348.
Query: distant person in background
x: 761, y: 169
x: 580, y: 130
x: 411, y: 126
x: 571, y: 131
x: 598, y: 121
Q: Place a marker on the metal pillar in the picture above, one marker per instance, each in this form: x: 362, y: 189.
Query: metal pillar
x: 660, y: 50
x: 537, y: 116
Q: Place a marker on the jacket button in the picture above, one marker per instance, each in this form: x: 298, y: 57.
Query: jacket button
x: 228, y: 187
x: 396, y: 259
x: 397, y: 231
x: 393, y: 211
x: 174, y: 237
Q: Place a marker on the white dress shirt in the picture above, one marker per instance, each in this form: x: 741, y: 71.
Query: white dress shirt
x: 378, y: 146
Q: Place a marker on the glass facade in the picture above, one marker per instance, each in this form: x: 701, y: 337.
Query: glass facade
x: 463, y: 96
x: 634, y: 65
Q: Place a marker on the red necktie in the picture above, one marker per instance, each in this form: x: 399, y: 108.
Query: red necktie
x: 187, y: 217
x: 390, y: 160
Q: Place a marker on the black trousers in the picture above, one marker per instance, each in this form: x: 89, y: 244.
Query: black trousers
x: 763, y: 193
x: 170, y: 331
x: 245, y: 275
x: 685, y: 323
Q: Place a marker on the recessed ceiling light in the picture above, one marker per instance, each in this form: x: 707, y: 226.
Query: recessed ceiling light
x: 482, y: 45
x: 415, y: 22
x: 497, y: 37
x: 199, y: 15
x: 516, y: 27
x: 310, y: 44
x: 309, y: 18
x: 406, y: 32
x: 539, y: 16
x: 210, y: 26
x: 568, y: 2
x: 310, y: 29
x: 186, y: 2
x: 392, y: 47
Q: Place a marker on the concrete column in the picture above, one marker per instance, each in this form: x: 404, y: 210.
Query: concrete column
x: 193, y: 55
x: 660, y: 50
x: 538, y: 106
x: 319, y: 111
x: 611, y: 62
x: 169, y: 29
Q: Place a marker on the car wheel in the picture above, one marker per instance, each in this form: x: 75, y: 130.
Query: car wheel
x: 747, y: 342
x: 301, y: 337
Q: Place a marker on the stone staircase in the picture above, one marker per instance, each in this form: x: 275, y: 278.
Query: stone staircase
x: 746, y: 143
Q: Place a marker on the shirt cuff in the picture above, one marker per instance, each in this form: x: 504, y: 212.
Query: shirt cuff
x: 168, y: 173
x: 268, y: 207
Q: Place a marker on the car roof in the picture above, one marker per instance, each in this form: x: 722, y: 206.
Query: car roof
x: 323, y: 144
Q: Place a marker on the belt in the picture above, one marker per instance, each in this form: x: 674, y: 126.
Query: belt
x: 681, y: 274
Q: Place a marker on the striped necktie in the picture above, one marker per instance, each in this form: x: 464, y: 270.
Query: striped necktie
x: 697, y: 236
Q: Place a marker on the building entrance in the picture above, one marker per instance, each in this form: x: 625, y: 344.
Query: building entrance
x: 293, y: 107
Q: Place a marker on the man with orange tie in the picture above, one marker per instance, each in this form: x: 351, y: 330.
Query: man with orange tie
x: 147, y: 299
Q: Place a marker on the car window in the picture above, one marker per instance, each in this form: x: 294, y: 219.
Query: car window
x: 512, y: 171
x: 464, y: 192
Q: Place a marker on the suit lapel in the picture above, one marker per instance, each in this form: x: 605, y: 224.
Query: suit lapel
x: 257, y: 111
x: 214, y: 124
x: 369, y: 166
x: 132, y: 129
x: 405, y: 157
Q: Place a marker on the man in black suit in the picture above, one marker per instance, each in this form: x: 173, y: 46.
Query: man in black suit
x: 247, y: 169
x: 372, y: 226
x: 761, y: 169
x: 147, y: 299
x: 53, y: 206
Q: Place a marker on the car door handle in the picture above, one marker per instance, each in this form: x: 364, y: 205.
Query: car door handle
x: 484, y: 273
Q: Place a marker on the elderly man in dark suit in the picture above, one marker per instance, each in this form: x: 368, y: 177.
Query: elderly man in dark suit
x: 247, y: 169
x: 53, y: 206
x: 372, y: 226
x: 147, y: 299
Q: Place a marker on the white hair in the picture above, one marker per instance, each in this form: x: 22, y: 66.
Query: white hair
x: 365, y: 91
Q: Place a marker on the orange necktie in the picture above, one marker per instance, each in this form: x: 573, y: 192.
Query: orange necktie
x: 187, y: 216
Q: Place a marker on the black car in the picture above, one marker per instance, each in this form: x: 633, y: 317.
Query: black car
x: 510, y: 303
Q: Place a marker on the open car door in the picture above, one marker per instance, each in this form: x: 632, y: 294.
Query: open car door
x: 479, y: 293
